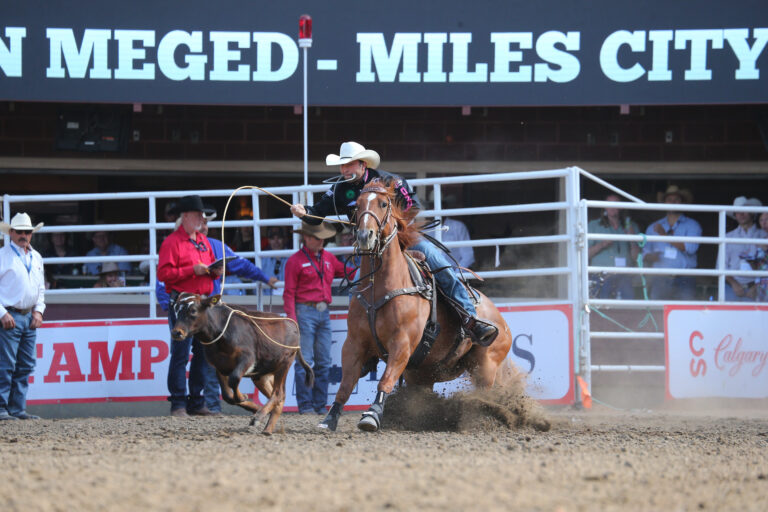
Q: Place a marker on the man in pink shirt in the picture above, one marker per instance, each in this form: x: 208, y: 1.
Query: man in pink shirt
x: 307, y: 295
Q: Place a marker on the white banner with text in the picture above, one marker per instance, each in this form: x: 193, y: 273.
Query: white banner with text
x: 716, y: 351
x: 127, y: 360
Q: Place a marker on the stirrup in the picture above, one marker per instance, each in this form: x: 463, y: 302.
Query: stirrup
x: 481, y: 332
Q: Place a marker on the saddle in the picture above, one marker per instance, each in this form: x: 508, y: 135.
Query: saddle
x: 424, y: 284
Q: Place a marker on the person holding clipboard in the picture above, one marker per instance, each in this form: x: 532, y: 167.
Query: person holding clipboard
x: 236, y: 266
x: 183, y: 266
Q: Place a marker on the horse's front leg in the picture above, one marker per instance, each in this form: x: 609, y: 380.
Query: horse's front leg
x: 396, y: 363
x: 352, y: 357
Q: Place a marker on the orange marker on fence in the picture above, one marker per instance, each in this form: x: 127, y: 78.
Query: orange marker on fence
x: 586, y: 398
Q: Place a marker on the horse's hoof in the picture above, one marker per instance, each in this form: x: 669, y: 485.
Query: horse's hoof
x: 368, y: 423
x: 328, y: 424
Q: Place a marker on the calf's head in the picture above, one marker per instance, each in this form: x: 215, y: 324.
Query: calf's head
x: 191, y: 314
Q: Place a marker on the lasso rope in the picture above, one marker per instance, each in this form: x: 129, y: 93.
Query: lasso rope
x: 224, y: 217
x: 252, y: 319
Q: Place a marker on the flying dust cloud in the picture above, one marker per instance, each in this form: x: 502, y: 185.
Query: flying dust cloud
x: 505, y: 405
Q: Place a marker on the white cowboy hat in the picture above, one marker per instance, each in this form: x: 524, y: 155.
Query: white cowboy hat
x: 351, y: 151
x: 323, y: 231
x: 744, y: 201
x: 19, y: 222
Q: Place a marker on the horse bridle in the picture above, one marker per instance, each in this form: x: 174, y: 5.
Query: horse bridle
x: 380, y: 246
x: 371, y: 306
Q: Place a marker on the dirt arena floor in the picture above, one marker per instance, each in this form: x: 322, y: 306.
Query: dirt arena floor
x: 588, y: 460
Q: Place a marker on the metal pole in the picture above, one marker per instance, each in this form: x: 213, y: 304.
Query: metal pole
x: 306, y: 145
x: 152, y: 252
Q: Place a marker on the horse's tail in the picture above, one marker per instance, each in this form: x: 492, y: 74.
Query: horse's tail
x: 309, y: 379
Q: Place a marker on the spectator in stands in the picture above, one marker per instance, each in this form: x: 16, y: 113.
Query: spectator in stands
x: 169, y: 215
x: 345, y: 238
x: 739, y: 256
x: 275, y: 266
x: 761, y: 263
x: 103, y: 246
x: 110, y: 276
x: 672, y: 254
x: 22, y: 293
x: 456, y: 231
x: 607, y: 253
x: 243, y: 239
x: 183, y: 266
x: 308, y: 276
x: 60, y: 248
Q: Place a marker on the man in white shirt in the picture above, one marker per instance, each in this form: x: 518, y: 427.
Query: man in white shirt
x: 22, y: 291
x: 737, y: 256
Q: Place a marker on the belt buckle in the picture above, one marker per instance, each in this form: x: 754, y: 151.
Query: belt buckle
x: 321, y: 306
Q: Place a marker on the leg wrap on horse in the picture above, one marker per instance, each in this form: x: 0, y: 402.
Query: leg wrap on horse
x: 371, y: 419
x: 331, y: 420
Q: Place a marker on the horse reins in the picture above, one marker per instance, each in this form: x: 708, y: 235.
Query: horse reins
x: 379, y: 247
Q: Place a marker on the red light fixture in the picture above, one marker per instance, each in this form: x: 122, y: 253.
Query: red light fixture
x: 305, y: 29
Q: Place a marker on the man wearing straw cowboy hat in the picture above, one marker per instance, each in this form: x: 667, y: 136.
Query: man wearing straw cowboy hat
x: 673, y: 254
x: 358, y: 167
x: 738, y: 256
x: 22, y: 291
x: 308, y: 276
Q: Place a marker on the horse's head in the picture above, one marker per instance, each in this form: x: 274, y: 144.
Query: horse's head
x: 191, y: 314
x: 379, y: 219
x: 374, y: 215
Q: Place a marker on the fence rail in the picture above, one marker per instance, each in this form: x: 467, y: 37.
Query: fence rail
x: 571, y: 238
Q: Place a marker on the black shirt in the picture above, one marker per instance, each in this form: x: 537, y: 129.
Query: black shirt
x: 341, y: 198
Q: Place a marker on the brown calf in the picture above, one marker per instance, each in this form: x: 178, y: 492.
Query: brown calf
x: 262, y: 347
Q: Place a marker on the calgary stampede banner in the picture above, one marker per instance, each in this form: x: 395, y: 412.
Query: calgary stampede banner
x: 488, y: 52
x: 717, y: 351
x: 127, y: 360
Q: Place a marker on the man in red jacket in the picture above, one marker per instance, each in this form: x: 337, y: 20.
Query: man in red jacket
x: 307, y: 295
x: 183, y: 266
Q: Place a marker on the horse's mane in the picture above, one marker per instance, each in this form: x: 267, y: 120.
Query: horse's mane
x: 407, y: 228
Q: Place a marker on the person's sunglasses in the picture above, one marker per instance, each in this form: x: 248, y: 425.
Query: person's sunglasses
x: 23, y: 231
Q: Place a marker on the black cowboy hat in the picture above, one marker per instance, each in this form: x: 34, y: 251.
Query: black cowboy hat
x: 192, y: 204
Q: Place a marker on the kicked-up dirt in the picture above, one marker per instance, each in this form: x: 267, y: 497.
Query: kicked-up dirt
x: 485, y: 460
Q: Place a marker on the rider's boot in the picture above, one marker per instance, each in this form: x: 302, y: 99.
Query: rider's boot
x: 481, y: 332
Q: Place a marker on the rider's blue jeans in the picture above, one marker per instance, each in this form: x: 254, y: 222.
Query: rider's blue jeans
x: 446, y: 279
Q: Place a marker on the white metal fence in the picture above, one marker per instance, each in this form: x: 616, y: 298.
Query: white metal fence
x: 571, y: 238
x: 720, y: 272
x: 151, y: 226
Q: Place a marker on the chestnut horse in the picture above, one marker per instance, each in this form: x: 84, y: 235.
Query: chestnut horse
x: 400, y: 314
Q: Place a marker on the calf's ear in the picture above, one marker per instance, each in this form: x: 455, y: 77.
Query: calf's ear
x: 211, y: 301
